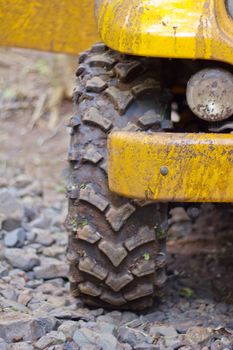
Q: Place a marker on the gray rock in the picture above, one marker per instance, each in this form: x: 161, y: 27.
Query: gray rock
x: 52, y: 338
x: 31, y: 236
x: 21, y: 259
x: 197, y: 335
x: 15, y: 238
x: 22, y: 181
x: 145, y: 346
x: 3, y: 270
x: 20, y: 346
x: 11, y: 210
x: 24, y: 327
x: 133, y: 336
x: 51, y: 268
x: 68, y: 328
x: 167, y: 331
x: 85, y: 336
x: 3, y: 344
x: 43, y: 237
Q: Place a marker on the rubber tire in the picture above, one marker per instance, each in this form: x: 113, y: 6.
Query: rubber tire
x: 116, y: 246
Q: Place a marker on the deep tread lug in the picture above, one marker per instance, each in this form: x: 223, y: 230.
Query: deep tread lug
x: 90, y: 266
x: 88, y: 234
x: 104, y: 167
x: 88, y: 194
x: 126, y: 71
x: 120, y: 99
x: 140, y: 291
x: 91, y: 154
x: 149, y: 85
x: 96, y: 85
x: 115, y: 253
x: 89, y: 289
x: 117, y: 216
x: 118, y: 281
x: 93, y: 116
x: 144, y: 235
x: 99, y: 48
x: 113, y: 298
x: 102, y: 61
x: 80, y: 70
x: 143, y: 268
x: 82, y: 56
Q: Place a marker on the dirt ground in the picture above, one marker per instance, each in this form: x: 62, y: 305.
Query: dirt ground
x: 34, y: 140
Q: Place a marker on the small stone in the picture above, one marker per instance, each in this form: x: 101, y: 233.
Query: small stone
x: 52, y: 338
x: 68, y: 328
x: 51, y: 268
x: 19, y: 346
x: 197, y: 335
x: 133, y: 336
x: 3, y: 271
x: 22, y: 181
x: 145, y: 346
x: 11, y: 210
x: 25, y: 296
x: 31, y: 236
x: 25, y: 327
x: 95, y: 84
x: 85, y: 336
x: 43, y: 237
x: 166, y: 331
x: 15, y: 238
x: 3, y: 344
x: 21, y: 259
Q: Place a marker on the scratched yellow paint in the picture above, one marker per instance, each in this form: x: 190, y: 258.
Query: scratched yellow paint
x: 200, y: 166
x: 168, y: 28
x: 54, y: 25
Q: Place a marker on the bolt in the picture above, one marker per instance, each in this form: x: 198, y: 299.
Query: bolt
x: 164, y: 170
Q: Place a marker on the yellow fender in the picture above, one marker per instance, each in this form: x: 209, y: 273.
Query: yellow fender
x: 195, y: 29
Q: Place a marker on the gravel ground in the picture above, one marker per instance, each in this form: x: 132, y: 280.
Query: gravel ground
x: 37, y: 311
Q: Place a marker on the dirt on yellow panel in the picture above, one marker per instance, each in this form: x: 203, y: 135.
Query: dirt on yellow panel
x: 56, y: 25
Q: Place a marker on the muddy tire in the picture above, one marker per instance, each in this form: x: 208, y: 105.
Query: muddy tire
x: 116, y: 245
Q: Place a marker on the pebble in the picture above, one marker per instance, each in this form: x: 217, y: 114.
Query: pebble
x: 15, y: 238
x: 52, y: 338
x: 21, y: 259
x: 51, y: 268
x: 11, y: 210
x: 197, y: 335
x: 85, y: 336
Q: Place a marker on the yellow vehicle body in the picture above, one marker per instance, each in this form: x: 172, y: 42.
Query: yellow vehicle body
x: 171, y: 166
x: 195, y: 29
x: 56, y: 25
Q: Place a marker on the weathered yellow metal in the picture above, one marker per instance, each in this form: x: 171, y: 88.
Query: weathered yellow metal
x: 172, y: 167
x: 195, y: 29
x: 56, y: 25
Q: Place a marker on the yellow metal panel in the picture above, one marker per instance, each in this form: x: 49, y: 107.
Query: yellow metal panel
x: 168, y: 28
x: 55, y: 25
x: 172, y: 167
